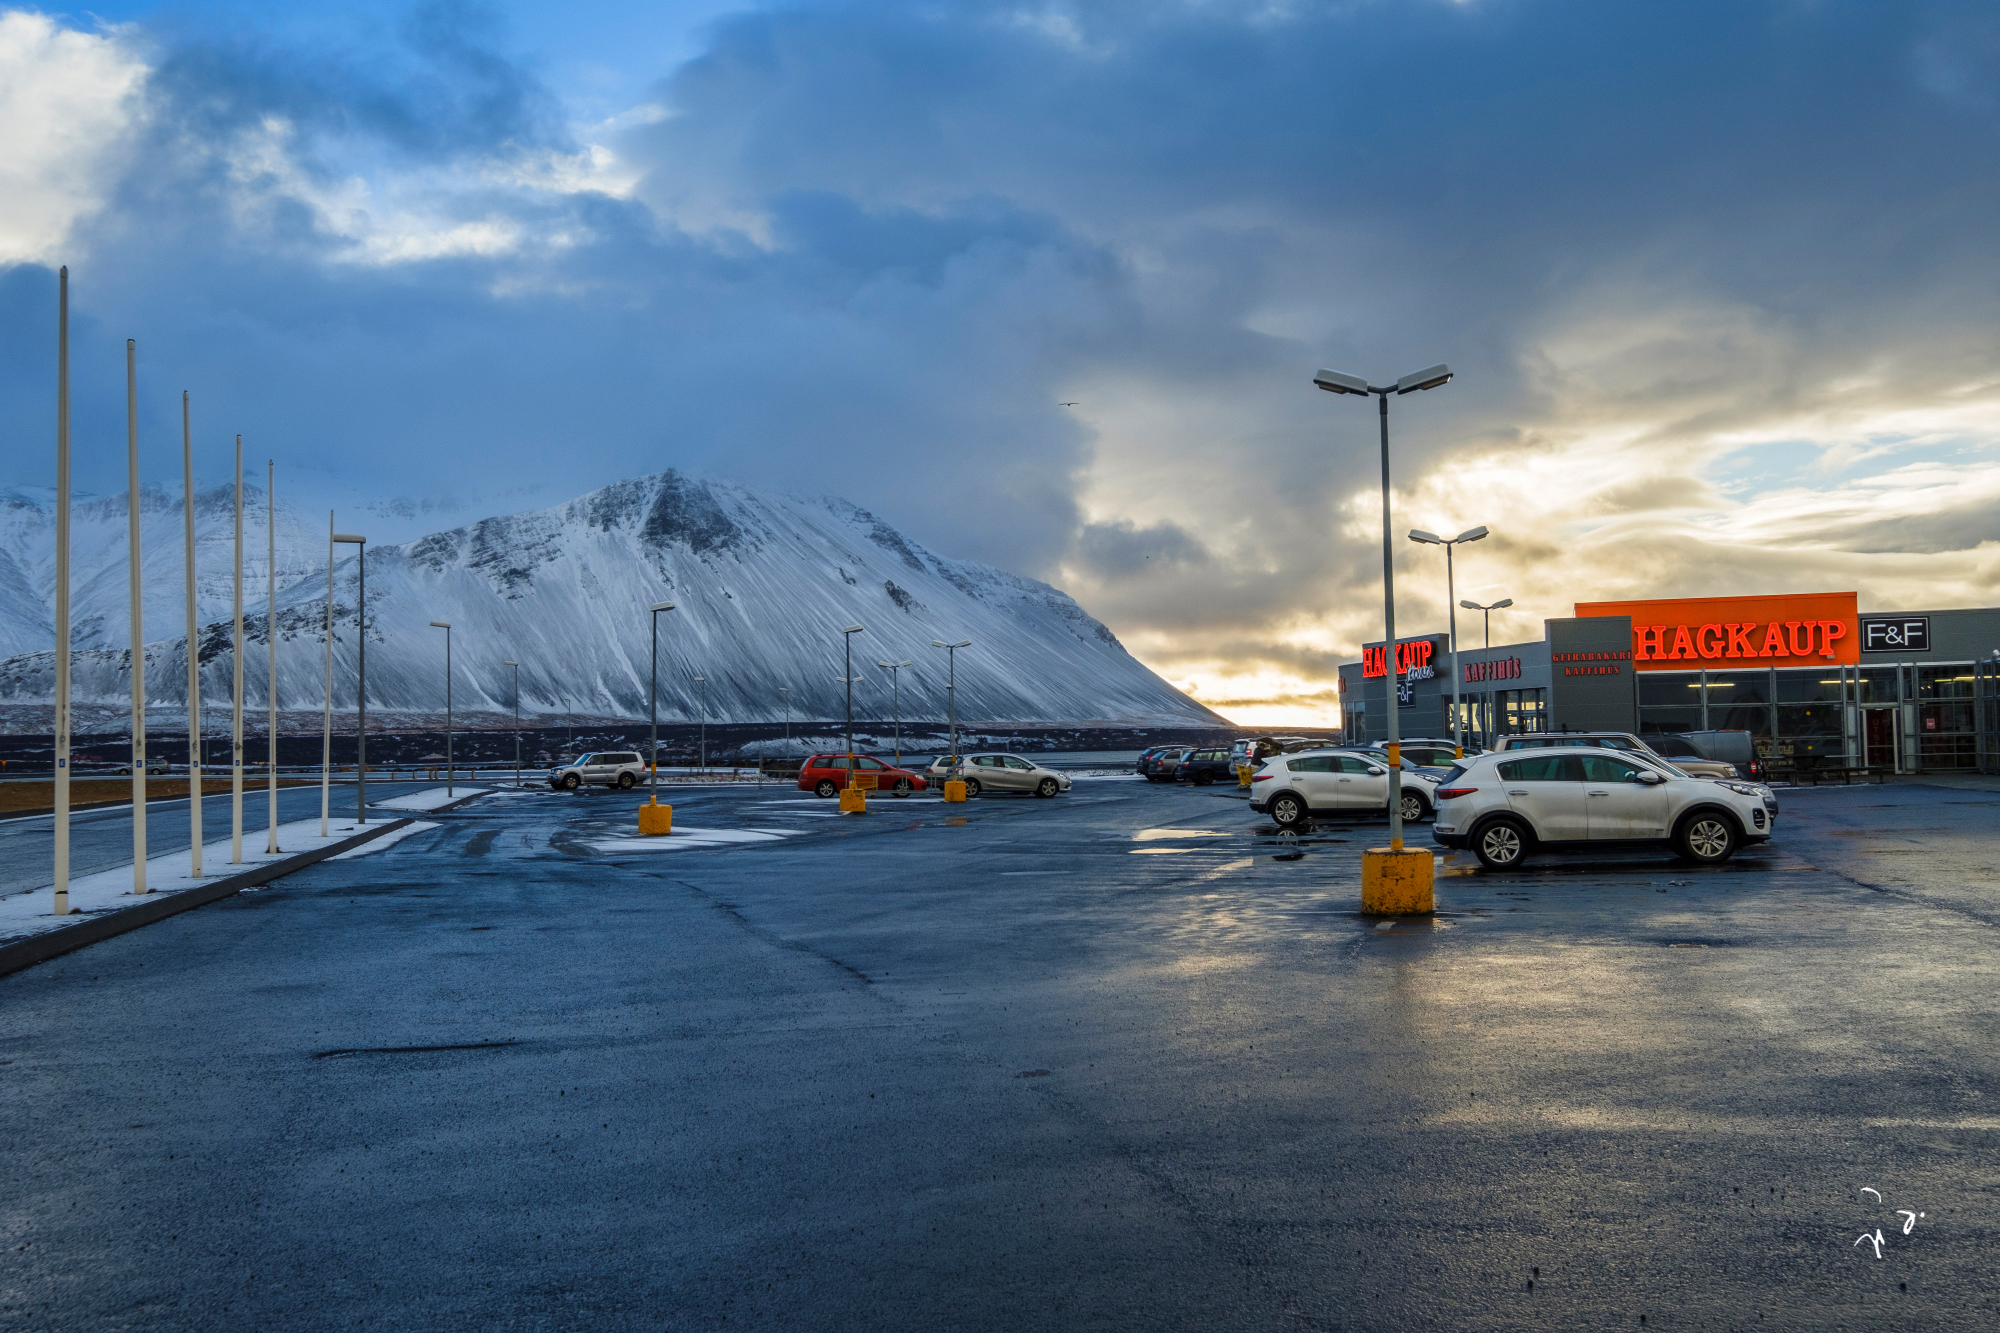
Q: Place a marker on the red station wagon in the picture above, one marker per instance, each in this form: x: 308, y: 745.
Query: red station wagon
x: 826, y: 774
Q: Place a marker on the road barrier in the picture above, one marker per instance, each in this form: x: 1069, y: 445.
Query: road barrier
x: 1398, y: 881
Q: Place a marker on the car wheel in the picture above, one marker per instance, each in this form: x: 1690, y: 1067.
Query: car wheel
x: 1501, y: 845
x: 1046, y: 787
x: 826, y: 788
x: 971, y: 787
x: 1708, y: 838
x: 626, y: 782
x: 1287, y: 810
x: 571, y: 782
x: 1202, y: 779
x: 1415, y: 808
x: 902, y: 787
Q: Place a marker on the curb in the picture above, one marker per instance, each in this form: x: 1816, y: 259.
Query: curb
x: 108, y: 925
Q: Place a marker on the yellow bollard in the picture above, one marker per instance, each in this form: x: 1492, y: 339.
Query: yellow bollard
x: 853, y: 801
x: 656, y: 819
x: 1243, y: 775
x: 1397, y: 881
x: 954, y: 790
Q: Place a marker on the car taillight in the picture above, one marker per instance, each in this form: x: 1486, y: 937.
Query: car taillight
x: 1262, y: 777
x: 1449, y: 792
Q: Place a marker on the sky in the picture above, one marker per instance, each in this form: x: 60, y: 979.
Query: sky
x: 1045, y: 285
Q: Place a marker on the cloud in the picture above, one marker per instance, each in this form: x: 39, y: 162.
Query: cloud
x: 68, y: 101
x: 1716, y: 278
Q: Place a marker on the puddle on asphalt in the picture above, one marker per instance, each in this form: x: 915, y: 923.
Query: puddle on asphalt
x: 1160, y: 834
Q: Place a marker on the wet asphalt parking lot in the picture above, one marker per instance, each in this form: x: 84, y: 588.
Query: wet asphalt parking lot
x: 1124, y: 1059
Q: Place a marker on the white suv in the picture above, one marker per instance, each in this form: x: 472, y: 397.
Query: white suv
x: 605, y: 768
x: 1292, y: 788
x: 1504, y: 805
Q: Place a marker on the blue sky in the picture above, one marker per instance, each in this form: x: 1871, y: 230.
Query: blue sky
x: 1717, y: 279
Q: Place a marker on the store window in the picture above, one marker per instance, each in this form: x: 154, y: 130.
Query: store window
x: 1520, y: 712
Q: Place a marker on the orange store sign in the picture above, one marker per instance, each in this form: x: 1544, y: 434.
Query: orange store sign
x: 1411, y: 655
x: 1687, y: 633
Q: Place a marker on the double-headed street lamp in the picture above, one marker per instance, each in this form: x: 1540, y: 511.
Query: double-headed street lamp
x: 1450, y: 591
x: 450, y: 770
x: 361, y: 674
x: 1334, y: 381
x: 1489, y: 609
x: 951, y: 690
x: 896, y: 693
x: 653, y: 699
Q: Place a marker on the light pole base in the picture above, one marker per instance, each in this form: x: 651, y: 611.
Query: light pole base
x: 1397, y: 882
x: 954, y: 790
x: 656, y: 820
x: 853, y: 801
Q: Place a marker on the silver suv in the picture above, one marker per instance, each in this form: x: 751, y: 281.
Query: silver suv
x: 1505, y: 805
x: 1694, y: 766
x: 604, y: 768
x: 1292, y: 788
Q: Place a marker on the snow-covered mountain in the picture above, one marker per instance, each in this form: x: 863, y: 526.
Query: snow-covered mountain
x: 763, y: 587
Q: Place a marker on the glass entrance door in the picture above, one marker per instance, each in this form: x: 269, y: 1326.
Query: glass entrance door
x: 1879, y: 730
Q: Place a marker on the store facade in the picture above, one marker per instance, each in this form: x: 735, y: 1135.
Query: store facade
x: 1806, y: 674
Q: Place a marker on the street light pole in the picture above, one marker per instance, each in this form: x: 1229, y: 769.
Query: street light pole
x: 326, y: 718
x: 1334, y: 381
x: 951, y: 691
x: 1450, y: 592
x: 847, y: 677
x: 701, y: 752
x: 138, y: 629
x: 786, y: 690
x: 1489, y: 610
x: 449, y: 770
x: 517, y: 722
x: 271, y: 655
x: 896, y: 694
x: 361, y: 673
x: 236, y: 682
x: 653, y: 698
x: 193, y: 649
x: 59, y: 903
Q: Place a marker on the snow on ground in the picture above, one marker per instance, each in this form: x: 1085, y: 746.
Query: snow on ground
x: 31, y: 913
x: 686, y: 839
x: 429, y: 799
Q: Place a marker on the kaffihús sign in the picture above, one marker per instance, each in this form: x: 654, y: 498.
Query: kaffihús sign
x: 1689, y: 633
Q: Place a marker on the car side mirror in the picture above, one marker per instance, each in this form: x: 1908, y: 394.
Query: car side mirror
x: 1652, y: 779
x: 1376, y: 770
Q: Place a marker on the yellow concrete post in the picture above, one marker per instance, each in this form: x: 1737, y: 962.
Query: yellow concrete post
x: 656, y: 820
x: 853, y: 801
x: 1243, y: 775
x: 954, y: 790
x: 1397, y: 881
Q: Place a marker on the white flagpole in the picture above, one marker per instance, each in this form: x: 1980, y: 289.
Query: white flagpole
x: 326, y: 735
x: 236, y: 720
x: 271, y: 648
x: 193, y: 647
x: 138, y: 627
x: 61, y: 903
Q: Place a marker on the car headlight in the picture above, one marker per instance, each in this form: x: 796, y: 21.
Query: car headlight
x: 1742, y: 789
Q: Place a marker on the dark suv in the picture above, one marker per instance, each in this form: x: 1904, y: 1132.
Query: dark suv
x: 1202, y: 767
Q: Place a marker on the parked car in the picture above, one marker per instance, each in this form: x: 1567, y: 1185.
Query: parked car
x: 826, y: 774
x: 1143, y: 763
x: 1005, y: 772
x: 1292, y: 788
x: 155, y: 768
x: 1694, y: 766
x: 1506, y: 805
x: 1728, y: 747
x: 1159, y: 765
x: 1254, y: 749
x: 603, y: 768
x: 1204, y: 766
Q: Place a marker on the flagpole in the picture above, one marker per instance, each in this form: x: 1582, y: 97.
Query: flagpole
x: 326, y: 734
x: 271, y: 650
x: 236, y: 718
x: 193, y: 648
x: 138, y: 626
x: 60, y: 905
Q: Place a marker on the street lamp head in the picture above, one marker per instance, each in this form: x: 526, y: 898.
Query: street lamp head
x: 1424, y: 379
x: 1470, y: 606
x: 892, y: 665
x: 658, y: 607
x: 1504, y: 601
x: 1470, y: 535
x: 852, y: 629
x: 1333, y: 381
x: 1427, y: 538
x: 510, y: 664
x: 350, y: 538
x: 440, y: 624
x: 940, y: 643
